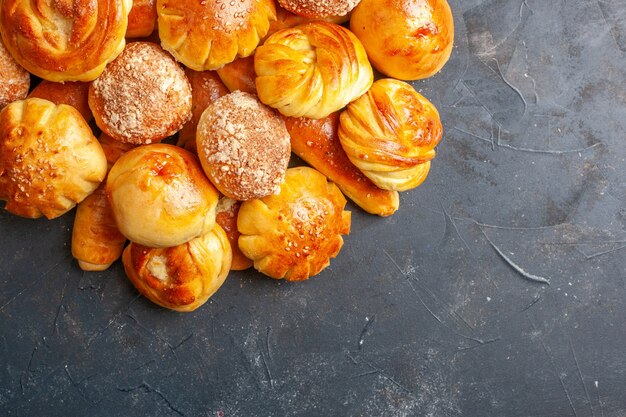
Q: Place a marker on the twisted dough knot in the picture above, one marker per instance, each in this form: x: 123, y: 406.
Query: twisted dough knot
x: 64, y: 40
x: 390, y: 134
x: 311, y: 70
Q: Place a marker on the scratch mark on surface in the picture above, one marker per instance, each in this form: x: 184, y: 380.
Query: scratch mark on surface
x: 148, y: 388
x: 606, y: 252
x: 610, y: 26
x: 481, y: 343
x: 493, y: 226
x: 535, y: 301
x: 55, y: 327
x: 472, y: 135
x: 373, y: 372
x: 580, y: 375
x: 267, y: 370
x: 187, y: 338
x: 597, y: 385
x: 513, y: 87
x: 267, y: 343
x: 548, y: 151
x: 517, y: 268
x: 368, y: 323
x: 448, y: 219
x: 376, y: 369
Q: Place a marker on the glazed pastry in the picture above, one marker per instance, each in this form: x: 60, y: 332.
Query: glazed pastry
x: 49, y: 158
x: 142, y: 97
x: 311, y: 70
x: 317, y: 143
x: 227, y: 212
x: 205, y: 35
x: 239, y: 75
x: 183, y: 277
x: 390, y: 134
x: 285, y: 19
x: 14, y: 80
x: 142, y: 19
x: 70, y: 93
x: 64, y: 41
x: 408, y: 40
x: 243, y: 146
x: 160, y: 197
x: 96, y: 240
x: 293, y: 235
x: 206, y: 87
x: 316, y: 9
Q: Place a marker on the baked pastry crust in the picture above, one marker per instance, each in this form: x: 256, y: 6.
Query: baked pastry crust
x: 64, y: 41
x: 227, y: 213
x: 293, y: 235
x: 206, y: 87
x: 14, y: 80
x: 160, y: 197
x: 183, y: 277
x: 142, y: 19
x: 311, y: 70
x: 390, y: 134
x: 317, y: 9
x: 408, y: 40
x: 142, y: 97
x: 49, y: 158
x: 205, y: 35
x: 239, y: 75
x: 243, y: 146
x: 71, y: 93
x: 317, y: 143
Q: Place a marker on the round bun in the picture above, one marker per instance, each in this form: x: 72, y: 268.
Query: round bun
x: 316, y: 9
x: 227, y: 213
x: 408, y: 40
x: 205, y: 35
x: 160, y: 197
x: 183, y: 277
x: 239, y: 75
x: 294, y: 234
x: 142, y: 97
x: 49, y: 158
x: 311, y: 70
x: 14, y: 80
x: 70, y: 93
x: 64, y: 41
x: 390, y: 134
x: 243, y: 146
x: 141, y: 19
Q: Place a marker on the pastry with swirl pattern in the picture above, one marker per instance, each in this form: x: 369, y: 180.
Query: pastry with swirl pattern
x: 64, y: 40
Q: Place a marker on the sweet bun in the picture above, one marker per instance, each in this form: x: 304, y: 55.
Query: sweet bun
x: 316, y: 9
x: 317, y: 143
x: 113, y: 149
x: 311, y: 70
x: 142, y: 97
x: 239, y: 75
x: 71, y: 93
x: 227, y: 212
x: 206, y: 87
x: 64, y: 41
x: 49, y: 158
x: 205, y: 35
x: 243, y: 146
x: 390, y: 134
x: 183, y: 277
x: 160, y: 197
x: 141, y: 19
x: 14, y: 80
x: 408, y: 40
x: 293, y: 235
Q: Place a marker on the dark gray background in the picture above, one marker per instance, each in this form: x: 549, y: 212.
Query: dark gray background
x: 419, y: 314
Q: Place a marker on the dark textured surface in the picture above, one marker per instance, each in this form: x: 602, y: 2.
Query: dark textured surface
x: 420, y: 314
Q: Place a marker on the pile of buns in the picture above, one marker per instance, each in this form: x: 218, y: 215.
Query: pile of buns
x: 171, y: 124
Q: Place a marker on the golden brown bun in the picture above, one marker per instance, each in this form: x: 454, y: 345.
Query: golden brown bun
x: 141, y: 19
x: 96, y: 240
x: 71, y: 93
x: 227, y: 212
x: 239, y: 75
x: 205, y: 35
x: 14, y: 80
x: 113, y: 149
x: 142, y: 97
x: 409, y: 40
x: 160, y: 197
x: 311, y: 70
x: 285, y: 19
x: 243, y: 146
x: 63, y: 40
x: 294, y: 234
x: 49, y: 158
x: 180, y: 278
x: 390, y: 134
x: 206, y: 87
x: 316, y: 9
x: 317, y: 143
